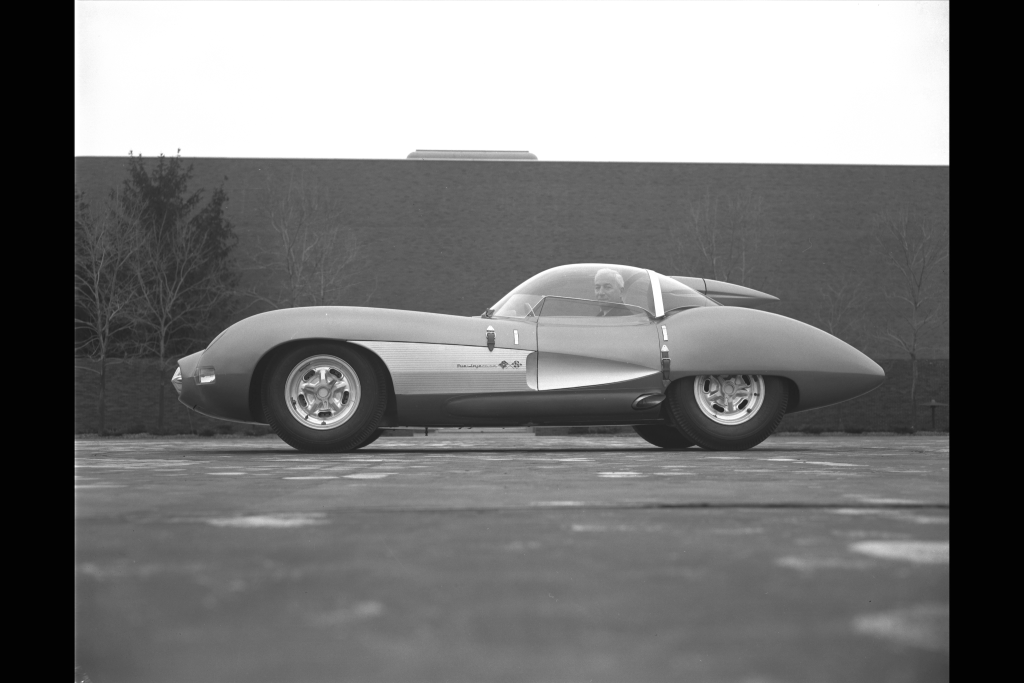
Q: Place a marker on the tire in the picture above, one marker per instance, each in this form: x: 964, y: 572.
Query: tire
x: 728, y: 412
x: 373, y: 437
x: 324, y: 397
x: 663, y: 436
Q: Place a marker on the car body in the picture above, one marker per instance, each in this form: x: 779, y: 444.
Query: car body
x: 554, y: 351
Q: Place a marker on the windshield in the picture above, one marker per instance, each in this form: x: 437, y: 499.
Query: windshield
x: 601, y: 282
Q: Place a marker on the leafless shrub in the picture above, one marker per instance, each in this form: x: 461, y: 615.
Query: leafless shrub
x: 840, y: 307
x: 310, y: 257
x: 915, y: 250
x: 721, y: 238
x: 179, y: 287
x: 105, y: 290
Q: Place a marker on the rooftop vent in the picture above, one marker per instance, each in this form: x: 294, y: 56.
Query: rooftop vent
x: 473, y: 154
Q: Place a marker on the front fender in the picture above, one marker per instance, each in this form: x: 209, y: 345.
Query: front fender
x: 236, y: 352
x: 722, y: 340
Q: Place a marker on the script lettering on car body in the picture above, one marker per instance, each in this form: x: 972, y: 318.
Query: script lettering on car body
x: 503, y: 364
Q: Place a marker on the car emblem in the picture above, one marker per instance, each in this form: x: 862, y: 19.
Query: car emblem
x: 503, y: 364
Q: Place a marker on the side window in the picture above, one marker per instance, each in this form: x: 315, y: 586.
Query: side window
x: 558, y: 307
x: 676, y: 295
x: 604, y: 283
x: 638, y: 292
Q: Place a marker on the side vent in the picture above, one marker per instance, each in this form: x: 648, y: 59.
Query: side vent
x: 648, y: 401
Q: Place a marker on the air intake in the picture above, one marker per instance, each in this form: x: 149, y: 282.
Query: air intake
x: 472, y: 155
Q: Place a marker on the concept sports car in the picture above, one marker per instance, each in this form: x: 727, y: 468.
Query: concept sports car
x: 686, y: 361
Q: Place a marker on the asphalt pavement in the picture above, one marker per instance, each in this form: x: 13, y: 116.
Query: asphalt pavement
x: 510, y: 557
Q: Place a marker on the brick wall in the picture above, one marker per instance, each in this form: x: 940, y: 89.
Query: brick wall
x: 455, y: 236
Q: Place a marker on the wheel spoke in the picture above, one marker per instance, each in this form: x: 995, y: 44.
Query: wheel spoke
x: 725, y: 394
x: 322, y: 394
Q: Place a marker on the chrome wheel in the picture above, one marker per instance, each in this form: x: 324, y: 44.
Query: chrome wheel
x: 322, y: 392
x: 729, y: 399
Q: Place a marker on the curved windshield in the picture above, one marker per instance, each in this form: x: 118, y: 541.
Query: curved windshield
x: 601, y: 282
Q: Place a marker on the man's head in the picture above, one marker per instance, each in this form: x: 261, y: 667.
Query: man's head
x: 608, y: 286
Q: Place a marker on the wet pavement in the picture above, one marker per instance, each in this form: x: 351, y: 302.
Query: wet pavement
x: 511, y: 557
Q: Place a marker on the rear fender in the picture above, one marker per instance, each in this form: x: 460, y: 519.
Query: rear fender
x: 726, y: 340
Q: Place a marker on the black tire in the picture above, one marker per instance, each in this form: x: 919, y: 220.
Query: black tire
x: 710, y: 434
x: 373, y: 437
x: 356, y: 424
x: 663, y: 436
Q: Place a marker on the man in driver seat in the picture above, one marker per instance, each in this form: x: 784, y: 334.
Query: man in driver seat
x: 608, y: 290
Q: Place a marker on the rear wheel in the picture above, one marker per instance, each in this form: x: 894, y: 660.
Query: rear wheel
x: 324, y: 397
x: 728, y: 412
x: 663, y: 436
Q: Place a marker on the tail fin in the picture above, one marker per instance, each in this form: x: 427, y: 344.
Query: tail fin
x: 726, y: 293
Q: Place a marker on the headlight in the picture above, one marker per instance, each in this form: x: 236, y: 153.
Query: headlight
x: 207, y: 376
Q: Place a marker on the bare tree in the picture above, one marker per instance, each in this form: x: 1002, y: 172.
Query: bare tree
x: 840, y: 312
x: 181, y: 260
x: 914, y: 249
x: 105, y: 288
x: 182, y: 285
x: 310, y: 259
x: 840, y: 306
x: 721, y: 236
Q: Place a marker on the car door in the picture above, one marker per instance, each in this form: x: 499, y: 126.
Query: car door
x: 582, y: 343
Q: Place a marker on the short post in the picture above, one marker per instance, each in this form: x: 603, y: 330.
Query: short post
x: 933, y: 404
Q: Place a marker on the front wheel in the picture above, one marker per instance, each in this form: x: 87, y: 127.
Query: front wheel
x: 728, y: 412
x: 373, y: 437
x: 324, y: 397
x: 663, y: 436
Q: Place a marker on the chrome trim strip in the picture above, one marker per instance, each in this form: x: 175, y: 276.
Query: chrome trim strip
x: 659, y: 303
x: 664, y: 333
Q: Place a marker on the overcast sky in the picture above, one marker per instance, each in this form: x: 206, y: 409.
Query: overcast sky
x: 758, y: 82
